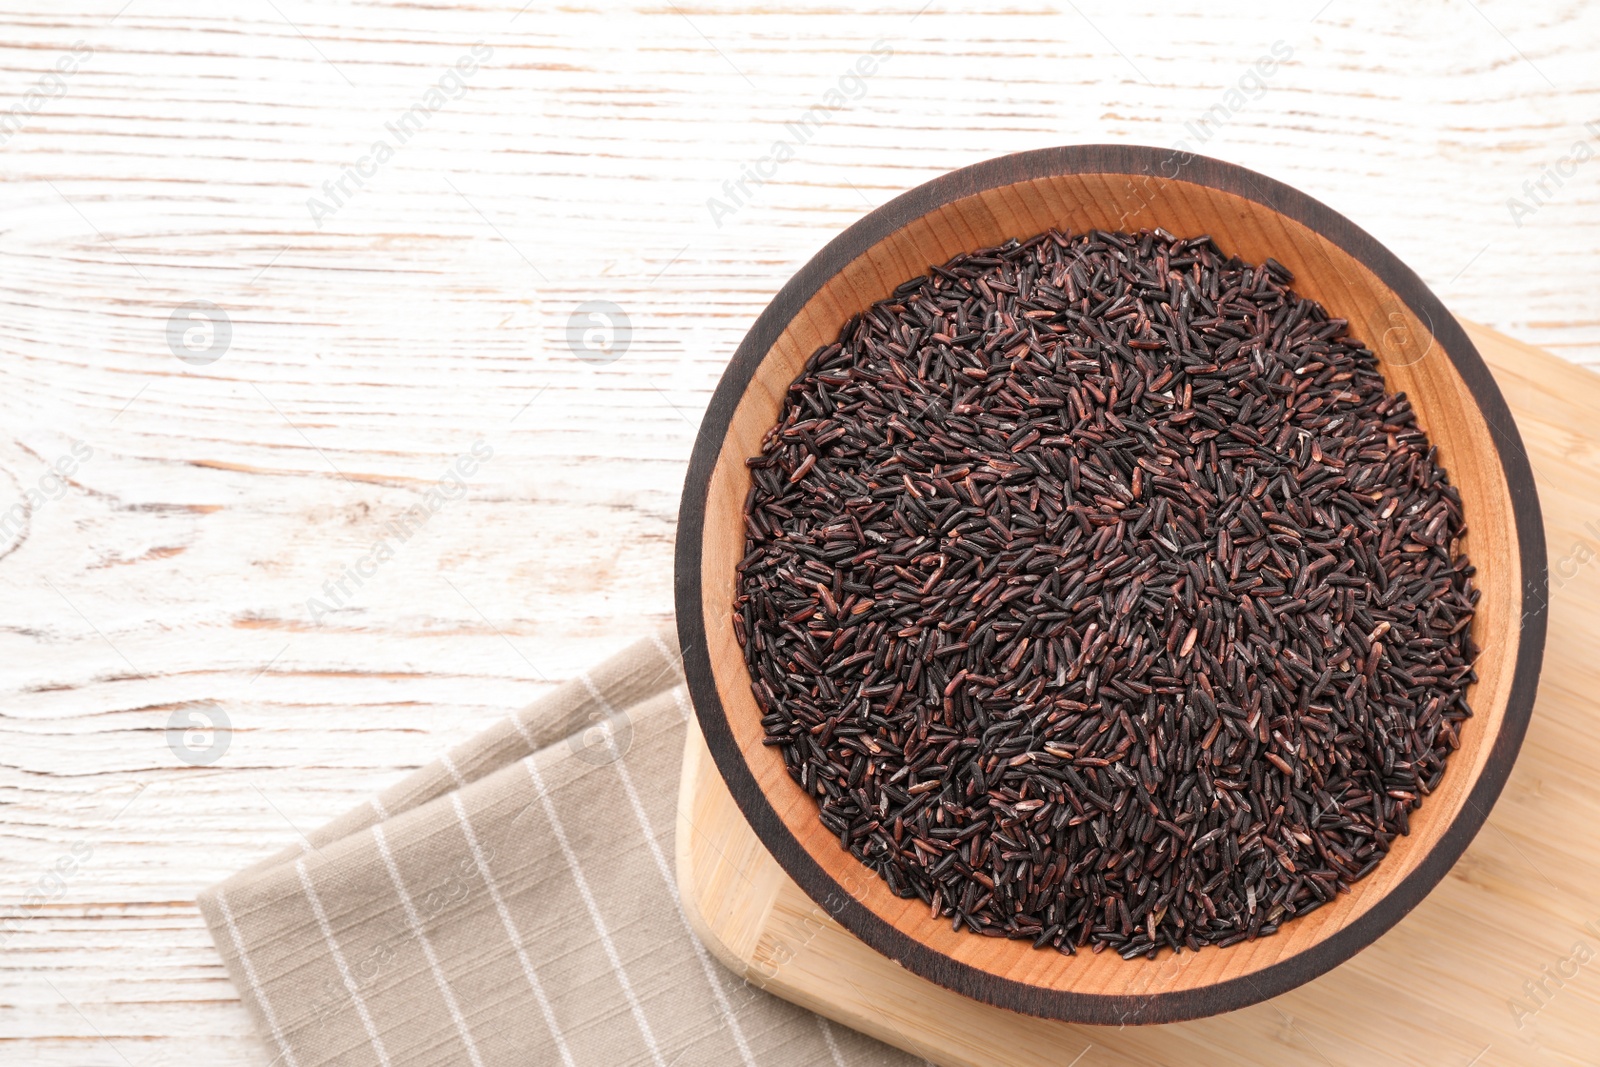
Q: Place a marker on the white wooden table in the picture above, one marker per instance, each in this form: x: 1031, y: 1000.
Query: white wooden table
x: 374, y: 332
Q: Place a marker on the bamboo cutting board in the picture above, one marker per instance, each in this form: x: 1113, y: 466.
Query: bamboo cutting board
x: 1500, y: 964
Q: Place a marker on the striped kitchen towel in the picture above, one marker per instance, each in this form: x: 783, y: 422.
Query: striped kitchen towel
x: 512, y: 903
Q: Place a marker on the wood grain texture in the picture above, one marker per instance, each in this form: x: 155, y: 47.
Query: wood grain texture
x: 370, y: 351
x: 1438, y: 988
x: 1422, y: 353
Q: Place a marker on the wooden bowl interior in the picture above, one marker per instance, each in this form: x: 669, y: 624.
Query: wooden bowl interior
x: 1413, y: 360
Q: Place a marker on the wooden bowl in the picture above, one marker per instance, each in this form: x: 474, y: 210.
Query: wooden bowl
x: 1422, y: 351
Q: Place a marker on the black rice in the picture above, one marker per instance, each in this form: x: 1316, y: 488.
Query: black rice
x: 1102, y: 596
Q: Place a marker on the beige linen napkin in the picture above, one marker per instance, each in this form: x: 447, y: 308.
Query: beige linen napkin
x: 512, y: 903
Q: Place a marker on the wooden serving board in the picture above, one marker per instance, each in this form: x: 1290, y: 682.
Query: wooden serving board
x: 1500, y: 964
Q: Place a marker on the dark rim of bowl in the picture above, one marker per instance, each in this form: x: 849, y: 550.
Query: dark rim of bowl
x: 815, y: 880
